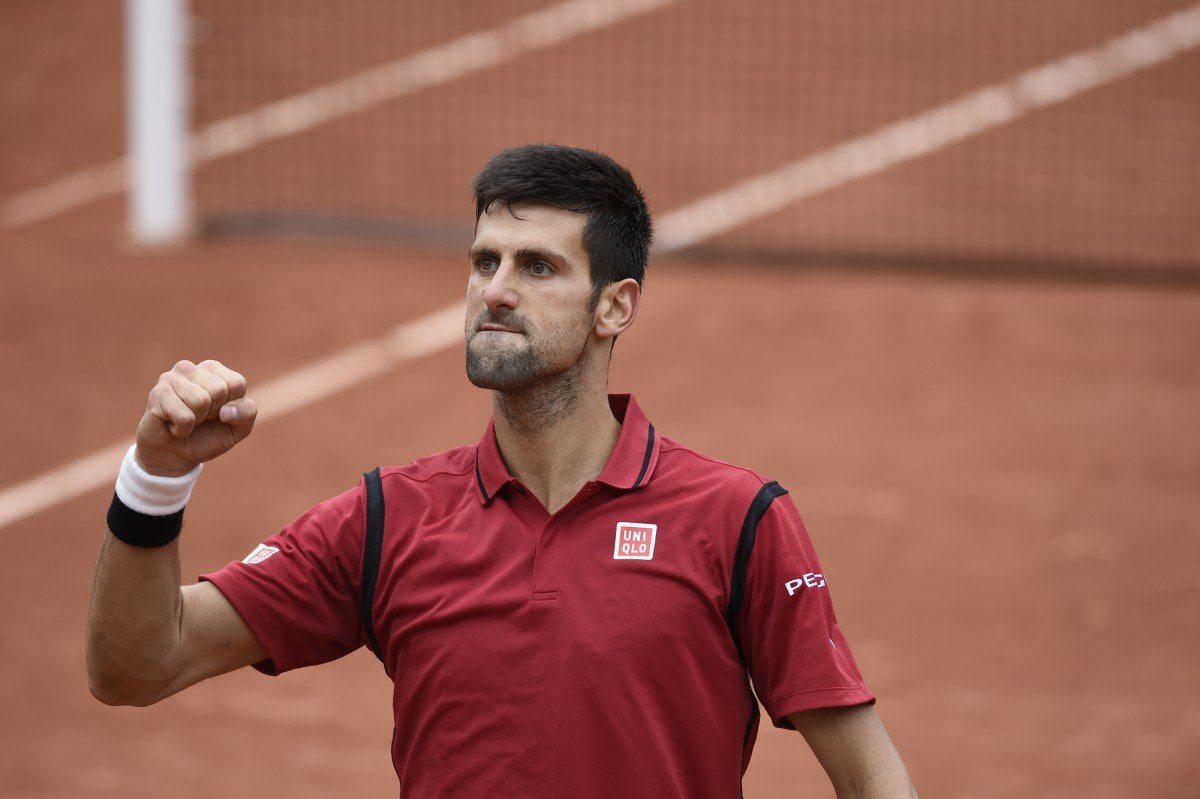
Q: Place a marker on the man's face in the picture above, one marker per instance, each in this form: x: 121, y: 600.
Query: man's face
x: 529, y: 313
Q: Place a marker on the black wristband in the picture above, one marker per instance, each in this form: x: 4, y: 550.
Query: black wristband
x: 141, y: 529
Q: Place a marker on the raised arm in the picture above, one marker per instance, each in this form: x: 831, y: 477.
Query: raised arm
x: 148, y: 637
x: 856, y: 752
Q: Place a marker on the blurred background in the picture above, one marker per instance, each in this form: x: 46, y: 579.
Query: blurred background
x: 932, y: 265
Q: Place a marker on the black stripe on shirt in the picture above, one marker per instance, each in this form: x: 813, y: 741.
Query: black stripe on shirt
x: 741, y: 558
x: 646, y: 459
x: 479, y: 479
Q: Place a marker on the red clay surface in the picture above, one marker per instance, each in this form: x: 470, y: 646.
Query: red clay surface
x: 1000, y: 478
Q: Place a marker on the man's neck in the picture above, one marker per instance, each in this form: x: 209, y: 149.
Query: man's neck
x: 554, y: 440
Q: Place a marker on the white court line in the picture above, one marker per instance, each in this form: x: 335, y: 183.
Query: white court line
x: 446, y: 62
x: 971, y: 115
x: 307, y: 385
x: 979, y: 111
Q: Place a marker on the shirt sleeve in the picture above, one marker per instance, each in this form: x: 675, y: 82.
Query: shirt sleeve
x: 298, y: 590
x: 796, y: 653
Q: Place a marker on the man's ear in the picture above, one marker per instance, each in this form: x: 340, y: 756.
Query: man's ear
x: 617, y: 308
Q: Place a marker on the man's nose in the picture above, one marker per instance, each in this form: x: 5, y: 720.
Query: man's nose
x: 500, y: 291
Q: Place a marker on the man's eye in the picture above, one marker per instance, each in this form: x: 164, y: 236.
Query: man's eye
x: 485, y: 264
x: 539, y: 268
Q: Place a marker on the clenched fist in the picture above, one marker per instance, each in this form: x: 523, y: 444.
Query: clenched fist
x: 195, y: 413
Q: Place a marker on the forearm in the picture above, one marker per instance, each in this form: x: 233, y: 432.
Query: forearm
x: 880, y: 774
x: 147, y: 637
x: 856, y: 752
x: 885, y: 784
x: 133, y: 631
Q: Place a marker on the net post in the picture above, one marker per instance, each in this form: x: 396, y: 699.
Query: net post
x: 156, y: 84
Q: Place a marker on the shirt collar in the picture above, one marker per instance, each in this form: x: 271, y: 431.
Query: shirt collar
x: 630, y: 466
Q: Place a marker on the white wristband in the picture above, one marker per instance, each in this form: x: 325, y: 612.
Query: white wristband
x: 152, y: 494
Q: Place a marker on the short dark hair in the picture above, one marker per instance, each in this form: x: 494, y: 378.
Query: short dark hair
x: 618, y: 231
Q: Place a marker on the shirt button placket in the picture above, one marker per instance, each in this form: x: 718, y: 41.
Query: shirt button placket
x: 545, y: 575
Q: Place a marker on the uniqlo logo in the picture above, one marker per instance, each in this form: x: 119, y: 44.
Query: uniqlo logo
x: 260, y: 553
x: 635, y: 541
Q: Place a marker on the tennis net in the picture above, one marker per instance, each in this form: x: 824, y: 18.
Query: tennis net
x: 996, y: 135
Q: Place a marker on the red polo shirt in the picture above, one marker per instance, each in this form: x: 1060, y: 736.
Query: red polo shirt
x: 599, y: 652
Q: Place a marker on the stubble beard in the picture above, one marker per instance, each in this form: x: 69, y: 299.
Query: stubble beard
x: 531, y: 392
x: 505, y: 371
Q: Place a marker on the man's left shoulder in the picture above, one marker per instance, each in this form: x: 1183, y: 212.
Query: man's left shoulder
x: 679, y: 462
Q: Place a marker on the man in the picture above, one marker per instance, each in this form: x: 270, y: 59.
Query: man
x: 570, y: 608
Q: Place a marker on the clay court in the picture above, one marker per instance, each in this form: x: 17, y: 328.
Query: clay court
x: 998, y: 465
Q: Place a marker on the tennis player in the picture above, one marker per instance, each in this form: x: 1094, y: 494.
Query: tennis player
x: 574, y: 606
